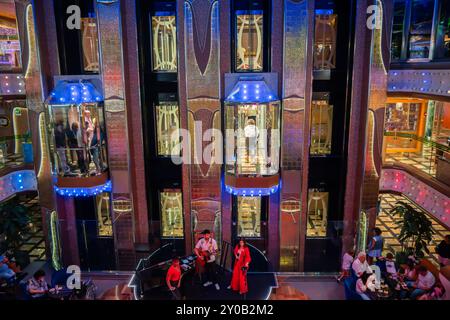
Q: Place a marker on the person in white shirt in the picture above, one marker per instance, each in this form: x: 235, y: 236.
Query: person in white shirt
x: 360, y: 265
x: 347, y: 260
x: 424, y: 283
x: 208, y: 245
x: 251, y: 133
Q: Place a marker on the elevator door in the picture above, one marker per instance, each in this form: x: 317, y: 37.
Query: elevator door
x: 250, y: 221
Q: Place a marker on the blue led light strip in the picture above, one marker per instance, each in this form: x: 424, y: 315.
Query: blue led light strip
x: 84, y: 192
x: 252, y: 192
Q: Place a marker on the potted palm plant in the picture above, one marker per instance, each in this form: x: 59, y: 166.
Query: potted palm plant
x: 15, y: 222
x: 415, y: 234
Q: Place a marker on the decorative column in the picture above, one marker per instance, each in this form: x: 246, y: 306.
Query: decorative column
x: 199, y: 40
x: 379, y: 69
x: 296, y: 93
x: 36, y: 85
x: 356, y: 167
x: 112, y: 71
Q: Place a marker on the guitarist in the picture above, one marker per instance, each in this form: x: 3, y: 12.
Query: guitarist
x: 206, y: 248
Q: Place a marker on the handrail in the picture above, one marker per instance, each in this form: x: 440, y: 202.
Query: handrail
x: 424, y: 140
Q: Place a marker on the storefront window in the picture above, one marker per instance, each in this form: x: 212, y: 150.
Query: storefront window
x: 421, y: 28
x: 321, y: 127
x: 403, y: 124
x: 76, y: 131
x: 317, y: 213
x: 164, y: 42
x: 89, y: 42
x: 325, y: 40
x: 171, y: 213
x: 402, y: 116
x: 168, y: 125
x: 10, y: 60
x: 249, y: 217
x: 104, y: 223
x: 442, y: 49
x: 249, y: 40
x: 397, y: 29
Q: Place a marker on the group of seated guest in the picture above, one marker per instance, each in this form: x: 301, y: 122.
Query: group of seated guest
x: 412, y: 280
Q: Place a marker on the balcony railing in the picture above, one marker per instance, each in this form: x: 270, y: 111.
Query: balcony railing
x: 430, y: 157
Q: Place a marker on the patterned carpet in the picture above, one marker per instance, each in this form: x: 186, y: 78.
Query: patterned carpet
x: 388, y: 224
x: 424, y: 161
x: 34, y: 242
x: 11, y: 161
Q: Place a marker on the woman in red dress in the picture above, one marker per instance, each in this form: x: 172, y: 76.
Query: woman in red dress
x: 239, y: 278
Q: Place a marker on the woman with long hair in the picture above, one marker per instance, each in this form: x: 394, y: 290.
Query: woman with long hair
x: 241, y: 264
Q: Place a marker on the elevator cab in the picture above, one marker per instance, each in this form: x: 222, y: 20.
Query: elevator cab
x: 252, y: 152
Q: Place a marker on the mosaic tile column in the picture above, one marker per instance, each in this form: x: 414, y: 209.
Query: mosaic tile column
x: 200, y: 103
x: 297, y: 84
x: 34, y: 84
x: 379, y: 68
x: 110, y: 34
x: 358, y: 125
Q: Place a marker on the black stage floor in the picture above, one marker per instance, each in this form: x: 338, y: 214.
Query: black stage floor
x: 260, y: 286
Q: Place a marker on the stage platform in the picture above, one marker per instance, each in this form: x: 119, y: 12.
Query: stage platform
x: 260, y: 287
x: 148, y: 282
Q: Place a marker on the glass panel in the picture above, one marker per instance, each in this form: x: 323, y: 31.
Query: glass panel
x: 89, y: 42
x: 249, y: 217
x: 104, y: 222
x: 397, y: 29
x: 317, y: 213
x: 10, y: 59
x: 168, y: 125
x: 257, y: 139
x: 171, y: 213
x: 164, y: 42
x: 249, y: 40
x: 77, y: 139
x: 325, y: 41
x: 421, y: 26
x: 321, y: 127
x: 443, y: 32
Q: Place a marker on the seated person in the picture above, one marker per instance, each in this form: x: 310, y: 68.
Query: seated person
x: 410, y: 271
x: 401, y: 287
x: 365, y: 285
x: 390, y: 275
x: 360, y: 265
x: 38, y: 287
x: 6, y: 273
x: 424, y: 283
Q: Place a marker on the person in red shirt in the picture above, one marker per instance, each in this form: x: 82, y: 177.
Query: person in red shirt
x: 241, y: 264
x: 173, y: 279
